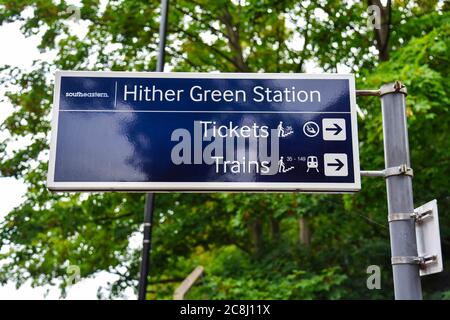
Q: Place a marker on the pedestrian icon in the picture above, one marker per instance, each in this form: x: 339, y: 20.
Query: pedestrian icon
x: 335, y: 164
x: 284, y: 132
x: 312, y: 163
x: 311, y: 129
x: 282, y: 166
x: 334, y: 129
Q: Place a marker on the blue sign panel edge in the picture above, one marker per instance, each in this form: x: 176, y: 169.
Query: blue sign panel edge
x: 326, y: 187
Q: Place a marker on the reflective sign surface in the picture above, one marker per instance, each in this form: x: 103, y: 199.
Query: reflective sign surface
x: 194, y: 132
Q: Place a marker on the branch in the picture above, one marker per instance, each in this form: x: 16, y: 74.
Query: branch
x: 234, y: 41
x: 302, y: 55
x: 177, y: 55
x: 166, y: 281
x: 110, y: 218
x: 201, y: 6
x: 196, y: 39
x: 237, y: 244
x: 208, y: 25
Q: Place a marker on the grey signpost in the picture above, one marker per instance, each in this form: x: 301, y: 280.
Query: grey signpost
x: 398, y: 174
x: 399, y: 193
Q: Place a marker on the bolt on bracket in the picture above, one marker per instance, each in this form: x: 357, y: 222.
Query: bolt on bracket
x: 396, y: 87
x: 416, y: 215
x: 421, y: 261
x: 400, y: 170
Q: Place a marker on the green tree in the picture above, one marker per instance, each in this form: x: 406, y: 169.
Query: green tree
x: 248, y: 243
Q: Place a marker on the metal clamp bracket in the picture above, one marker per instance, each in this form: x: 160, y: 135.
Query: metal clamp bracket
x: 416, y: 215
x: 396, y: 87
x: 400, y: 170
x: 405, y: 260
x: 422, y: 215
x: 431, y: 258
x: 401, y: 216
x: 421, y: 261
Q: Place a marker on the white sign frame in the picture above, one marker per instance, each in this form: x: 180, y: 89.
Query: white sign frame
x: 325, y: 187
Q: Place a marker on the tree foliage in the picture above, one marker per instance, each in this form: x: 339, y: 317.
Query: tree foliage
x: 248, y: 243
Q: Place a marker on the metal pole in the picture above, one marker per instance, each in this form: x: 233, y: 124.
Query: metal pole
x: 407, y: 284
x: 162, y: 36
x: 147, y: 245
x: 150, y: 197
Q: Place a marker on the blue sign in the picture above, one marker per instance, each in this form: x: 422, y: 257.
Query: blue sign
x: 132, y: 131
